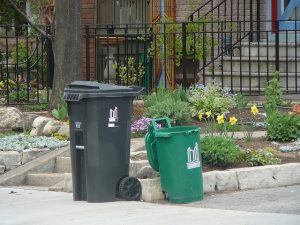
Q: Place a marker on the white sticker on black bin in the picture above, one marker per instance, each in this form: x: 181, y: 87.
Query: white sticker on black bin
x: 113, y: 117
x: 193, y: 157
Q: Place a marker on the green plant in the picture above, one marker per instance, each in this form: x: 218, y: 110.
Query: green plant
x: 168, y: 36
x: 283, y: 127
x: 219, y: 151
x: 170, y: 104
x: 211, y: 98
x: 130, y: 72
x: 241, y: 102
x: 261, y: 157
x: 273, y: 91
x: 61, y: 112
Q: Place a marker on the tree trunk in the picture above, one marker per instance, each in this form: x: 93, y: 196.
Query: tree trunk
x: 67, y: 47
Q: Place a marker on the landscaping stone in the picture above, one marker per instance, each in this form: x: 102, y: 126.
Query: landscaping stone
x: 32, y: 153
x: 226, y: 181
x: 51, y: 127
x: 287, y: 174
x: 10, y: 159
x: 257, y: 177
x: 68, y: 187
x: 209, y: 181
x: 151, y: 190
x: 64, y: 130
x: 136, y: 166
x: 38, y: 126
x: 28, y: 119
x: 147, y: 172
x: 11, y: 118
x: 2, y: 169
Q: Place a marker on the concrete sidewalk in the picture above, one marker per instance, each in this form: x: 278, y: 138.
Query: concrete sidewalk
x: 32, y: 207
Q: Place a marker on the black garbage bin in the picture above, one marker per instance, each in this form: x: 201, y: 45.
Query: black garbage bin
x: 99, y: 116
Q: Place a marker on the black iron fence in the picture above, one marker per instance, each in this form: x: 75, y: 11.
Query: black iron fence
x: 24, y: 66
x: 184, y: 54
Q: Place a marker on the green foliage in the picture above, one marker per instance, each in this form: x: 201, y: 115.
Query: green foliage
x: 283, y: 127
x: 261, y: 157
x: 273, y: 95
x: 61, y: 112
x: 211, y: 98
x: 9, y: 15
x: 168, y: 104
x: 241, y: 102
x: 219, y: 151
x: 129, y: 72
x: 169, y: 34
x: 22, y: 53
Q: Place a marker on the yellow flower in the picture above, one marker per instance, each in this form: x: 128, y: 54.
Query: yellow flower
x: 232, y: 120
x: 220, y: 119
x: 208, y: 114
x: 200, y: 117
x: 154, y: 93
x: 254, y: 110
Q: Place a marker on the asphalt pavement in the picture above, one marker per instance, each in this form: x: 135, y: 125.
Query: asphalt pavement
x: 20, y: 206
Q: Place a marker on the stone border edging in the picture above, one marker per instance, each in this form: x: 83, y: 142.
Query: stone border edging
x: 45, y: 163
x: 234, y: 180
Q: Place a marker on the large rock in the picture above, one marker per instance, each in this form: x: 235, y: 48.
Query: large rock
x: 151, y: 190
x: 51, y: 127
x: 32, y: 153
x: 269, y: 176
x: 11, y: 118
x: 28, y: 120
x: 209, y: 181
x: 147, y: 172
x: 64, y: 130
x: 10, y: 159
x: 226, y: 181
x: 38, y: 125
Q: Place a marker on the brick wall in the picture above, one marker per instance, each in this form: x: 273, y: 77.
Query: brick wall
x: 88, y: 18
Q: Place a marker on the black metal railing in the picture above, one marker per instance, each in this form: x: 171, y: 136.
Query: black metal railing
x: 24, y: 63
x: 196, y: 52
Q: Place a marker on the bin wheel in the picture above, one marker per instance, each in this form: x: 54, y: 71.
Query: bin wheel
x: 130, y: 189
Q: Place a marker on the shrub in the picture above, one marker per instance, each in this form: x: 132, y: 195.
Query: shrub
x: 261, y: 157
x: 219, y: 151
x: 211, y: 98
x: 168, y: 104
x: 283, y: 127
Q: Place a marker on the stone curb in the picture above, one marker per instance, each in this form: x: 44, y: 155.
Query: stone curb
x: 234, y: 180
x: 45, y: 163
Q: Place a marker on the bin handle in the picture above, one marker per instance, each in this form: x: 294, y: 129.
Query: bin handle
x: 166, y: 121
x: 191, y: 131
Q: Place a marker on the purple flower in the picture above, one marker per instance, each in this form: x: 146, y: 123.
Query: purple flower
x: 140, y: 125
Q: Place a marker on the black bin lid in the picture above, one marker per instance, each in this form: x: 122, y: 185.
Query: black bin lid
x: 78, y: 90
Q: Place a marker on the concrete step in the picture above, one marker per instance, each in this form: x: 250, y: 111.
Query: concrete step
x: 265, y: 49
x: 63, y: 165
x: 44, y: 179
x: 259, y: 64
x: 58, y: 186
x: 255, y: 80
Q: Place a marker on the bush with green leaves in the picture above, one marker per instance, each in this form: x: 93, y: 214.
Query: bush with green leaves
x: 165, y: 103
x: 219, y: 151
x: 283, y: 127
x: 211, y: 98
x: 261, y: 157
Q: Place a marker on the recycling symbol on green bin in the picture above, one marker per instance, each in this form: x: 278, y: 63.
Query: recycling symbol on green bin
x: 193, y: 157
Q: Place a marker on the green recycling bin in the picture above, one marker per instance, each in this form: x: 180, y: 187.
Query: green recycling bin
x: 174, y: 152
